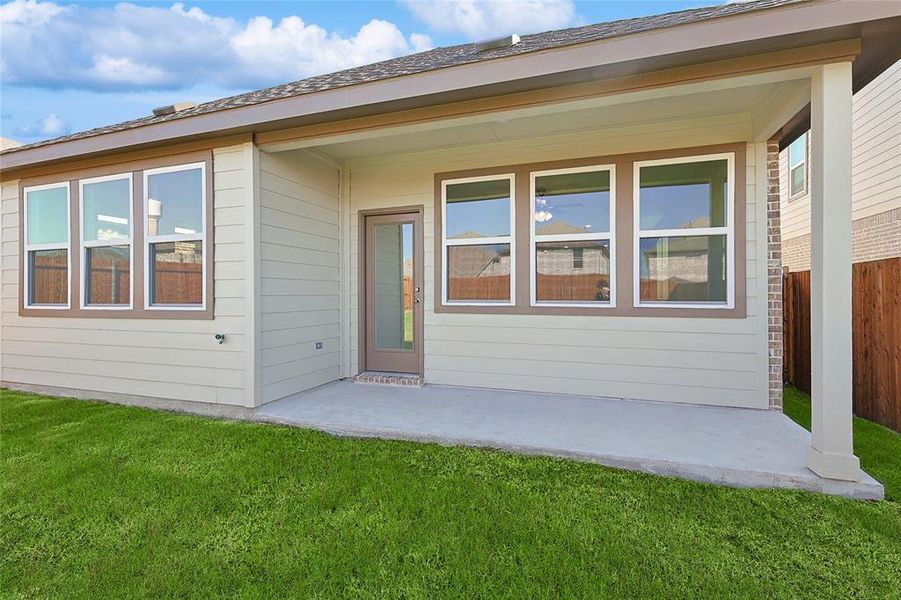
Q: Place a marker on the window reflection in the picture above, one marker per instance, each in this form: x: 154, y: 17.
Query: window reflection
x: 479, y: 273
x: 573, y: 271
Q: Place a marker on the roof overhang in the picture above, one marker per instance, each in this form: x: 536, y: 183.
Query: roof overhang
x: 876, y: 24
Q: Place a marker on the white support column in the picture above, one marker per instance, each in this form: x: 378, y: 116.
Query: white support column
x: 831, y: 453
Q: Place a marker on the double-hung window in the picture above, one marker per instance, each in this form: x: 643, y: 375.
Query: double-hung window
x: 797, y: 166
x: 46, y: 247
x: 572, y: 237
x: 477, y: 240
x: 174, y: 237
x: 106, y: 241
x: 684, y: 232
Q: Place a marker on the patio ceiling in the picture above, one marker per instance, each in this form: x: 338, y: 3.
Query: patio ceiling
x: 757, y: 98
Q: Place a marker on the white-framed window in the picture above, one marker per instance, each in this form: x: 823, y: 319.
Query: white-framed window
x: 797, y: 166
x: 46, y: 259
x: 572, y: 254
x: 477, y: 240
x: 684, y: 232
x: 107, y: 248
x: 175, y: 262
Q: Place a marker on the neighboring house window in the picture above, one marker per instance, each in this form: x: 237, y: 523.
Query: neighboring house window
x: 683, y: 232
x: 797, y: 165
x: 477, y: 240
x: 174, y: 237
x: 46, y: 247
x: 106, y: 241
x: 572, y: 228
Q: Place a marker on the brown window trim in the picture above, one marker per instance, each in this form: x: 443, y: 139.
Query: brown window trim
x: 136, y: 168
x: 623, y: 238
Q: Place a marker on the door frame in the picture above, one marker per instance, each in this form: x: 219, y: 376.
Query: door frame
x: 418, y: 272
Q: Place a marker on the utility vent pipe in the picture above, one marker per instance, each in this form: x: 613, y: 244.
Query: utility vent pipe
x: 169, y: 109
x: 493, y: 43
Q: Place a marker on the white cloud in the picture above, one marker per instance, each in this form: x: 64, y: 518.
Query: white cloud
x: 48, y: 45
x: 294, y: 45
x: 478, y: 19
x: 51, y: 125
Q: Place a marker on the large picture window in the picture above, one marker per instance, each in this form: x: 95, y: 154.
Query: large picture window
x: 46, y: 247
x: 174, y: 236
x: 683, y: 232
x: 572, y: 237
x: 477, y: 240
x: 106, y: 241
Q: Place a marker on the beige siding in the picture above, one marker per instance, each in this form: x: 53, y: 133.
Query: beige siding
x: 169, y: 359
x: 299, y: 300
x: 876, y: 157
x: 693, y: 360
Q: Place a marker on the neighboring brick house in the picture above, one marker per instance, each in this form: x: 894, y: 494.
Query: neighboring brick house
x: 876, y: 179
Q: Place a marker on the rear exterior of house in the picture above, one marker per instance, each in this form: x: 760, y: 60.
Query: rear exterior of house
x: 285, y: 232
x: 876, y: 179
x: 597, y: 216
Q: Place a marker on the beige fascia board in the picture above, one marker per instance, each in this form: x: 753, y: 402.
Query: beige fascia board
x: 515, y: 70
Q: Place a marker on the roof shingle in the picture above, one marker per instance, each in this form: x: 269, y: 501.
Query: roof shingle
x: 431, y: 60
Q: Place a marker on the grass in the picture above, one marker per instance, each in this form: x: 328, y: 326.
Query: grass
x: 878, y: 447
x: 101, y: 500
x: 408, y: 328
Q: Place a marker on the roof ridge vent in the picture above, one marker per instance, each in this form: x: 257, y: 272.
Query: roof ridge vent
x: 170, y: 109
x: 498, y: 42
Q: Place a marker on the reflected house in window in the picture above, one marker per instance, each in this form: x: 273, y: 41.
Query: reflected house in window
x: 684, y: 269
x: 480, y: 272
x: 571, y: 270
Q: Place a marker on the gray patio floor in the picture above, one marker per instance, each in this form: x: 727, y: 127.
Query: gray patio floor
x: 730, y: 446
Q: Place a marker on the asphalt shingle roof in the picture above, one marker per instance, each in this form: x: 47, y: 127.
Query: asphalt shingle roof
x: 431, y: 60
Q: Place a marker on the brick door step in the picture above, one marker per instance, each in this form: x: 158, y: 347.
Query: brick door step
x: 388, y: 378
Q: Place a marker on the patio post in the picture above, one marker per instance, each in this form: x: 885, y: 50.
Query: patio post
x: 831, y: 453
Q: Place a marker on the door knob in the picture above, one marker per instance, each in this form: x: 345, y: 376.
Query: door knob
x: 416, y: 300
x: 416, y: 289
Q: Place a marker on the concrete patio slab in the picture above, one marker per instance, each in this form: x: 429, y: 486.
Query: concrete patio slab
x: 729, y: 446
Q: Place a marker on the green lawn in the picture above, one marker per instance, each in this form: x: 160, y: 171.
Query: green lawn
x: 101, y: 500
x: 408, y: 328
x: 878, y: 447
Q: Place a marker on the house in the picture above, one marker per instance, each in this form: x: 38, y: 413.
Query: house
x: 592, y: 211
x: 875, y: 178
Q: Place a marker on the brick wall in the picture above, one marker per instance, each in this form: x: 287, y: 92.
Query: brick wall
x: 873, y: 238
x: 774, y: 274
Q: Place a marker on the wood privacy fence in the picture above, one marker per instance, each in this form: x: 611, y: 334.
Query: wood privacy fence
x: 176, y: 283
x: 876, y: 337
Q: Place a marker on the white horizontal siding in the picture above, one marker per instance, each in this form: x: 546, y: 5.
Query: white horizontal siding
x: 876, y: 157
x: 299, y: 296
x: 709, y: 361
x: 169, y: 359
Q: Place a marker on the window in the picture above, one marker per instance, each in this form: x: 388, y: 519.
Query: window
x: 174, y: 237
x: 572, y: 231
x: 797, y: 166
x: 683, y: 232
x: 106, y: 241
x: 46, y: 247
x: 686, y: 256
x: 477, y: 240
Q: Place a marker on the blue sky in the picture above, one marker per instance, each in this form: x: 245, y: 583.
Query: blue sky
x: 67, y: 67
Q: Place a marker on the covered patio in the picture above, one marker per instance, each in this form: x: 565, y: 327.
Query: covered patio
x: 687, y: 422
x: 728, y: 446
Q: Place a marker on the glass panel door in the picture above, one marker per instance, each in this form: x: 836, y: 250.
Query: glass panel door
x: 393, y: 290
x: 393, y: 286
